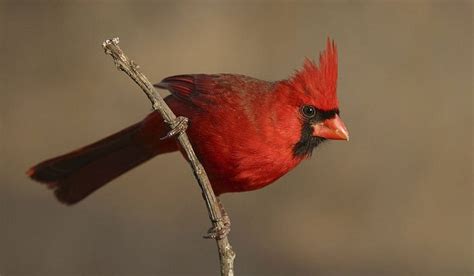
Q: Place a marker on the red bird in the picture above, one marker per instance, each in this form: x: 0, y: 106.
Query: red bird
x: 246, y: 132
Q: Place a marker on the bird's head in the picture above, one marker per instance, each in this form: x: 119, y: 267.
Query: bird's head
x: 313, y: 101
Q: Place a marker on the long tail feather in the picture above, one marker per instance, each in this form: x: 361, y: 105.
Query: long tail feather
x: 77, y: 174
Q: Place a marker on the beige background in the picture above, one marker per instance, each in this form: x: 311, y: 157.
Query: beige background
x: 395, y: 200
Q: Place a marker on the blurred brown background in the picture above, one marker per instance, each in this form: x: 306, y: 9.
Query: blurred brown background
x: 395, y: 200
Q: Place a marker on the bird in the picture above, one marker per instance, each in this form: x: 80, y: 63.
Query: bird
x: 246, y: 132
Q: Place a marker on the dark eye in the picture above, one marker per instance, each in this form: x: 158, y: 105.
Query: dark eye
x: 308, y: 111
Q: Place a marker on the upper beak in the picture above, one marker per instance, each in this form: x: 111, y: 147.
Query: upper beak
x: 333, y: 128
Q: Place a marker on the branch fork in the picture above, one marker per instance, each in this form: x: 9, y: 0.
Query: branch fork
x: 178, y: 125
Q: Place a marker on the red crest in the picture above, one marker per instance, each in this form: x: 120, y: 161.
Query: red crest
x: 320, y: 82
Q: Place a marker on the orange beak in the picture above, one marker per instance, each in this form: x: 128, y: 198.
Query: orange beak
x: 333, y: 128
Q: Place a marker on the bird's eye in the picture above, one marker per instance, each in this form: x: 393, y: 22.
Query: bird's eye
x: 308, y: 111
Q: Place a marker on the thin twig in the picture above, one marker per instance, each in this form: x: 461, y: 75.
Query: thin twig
x: 226, y: 254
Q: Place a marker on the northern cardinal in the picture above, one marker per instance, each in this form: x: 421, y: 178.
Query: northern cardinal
x: 246, y: 132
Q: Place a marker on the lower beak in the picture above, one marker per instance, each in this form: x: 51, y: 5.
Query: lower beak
x: 333, y: 129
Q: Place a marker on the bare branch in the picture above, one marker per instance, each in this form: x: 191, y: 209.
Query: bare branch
x: 178, y: 126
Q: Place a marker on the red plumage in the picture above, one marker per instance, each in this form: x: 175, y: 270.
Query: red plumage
x: 320, y: 81
x: 246, y: 132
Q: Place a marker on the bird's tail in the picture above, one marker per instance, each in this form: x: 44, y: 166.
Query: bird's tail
x: 75, y: 175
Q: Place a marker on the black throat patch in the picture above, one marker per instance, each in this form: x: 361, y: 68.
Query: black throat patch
x: 307, y: 143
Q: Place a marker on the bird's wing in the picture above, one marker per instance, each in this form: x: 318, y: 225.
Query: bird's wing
x: 197, y: 87
x: 189, y: 87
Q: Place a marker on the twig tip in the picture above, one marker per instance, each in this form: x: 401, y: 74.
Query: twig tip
x: 113, y: 41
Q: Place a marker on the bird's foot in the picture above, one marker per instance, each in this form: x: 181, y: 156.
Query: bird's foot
x: 220, y: 231
x: 180, y: 125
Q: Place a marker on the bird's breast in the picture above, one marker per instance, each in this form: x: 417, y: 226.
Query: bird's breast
x: 240, y: 148
x: 240, y: 158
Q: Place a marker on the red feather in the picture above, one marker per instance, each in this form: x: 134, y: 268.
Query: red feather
x: 320, y: 81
